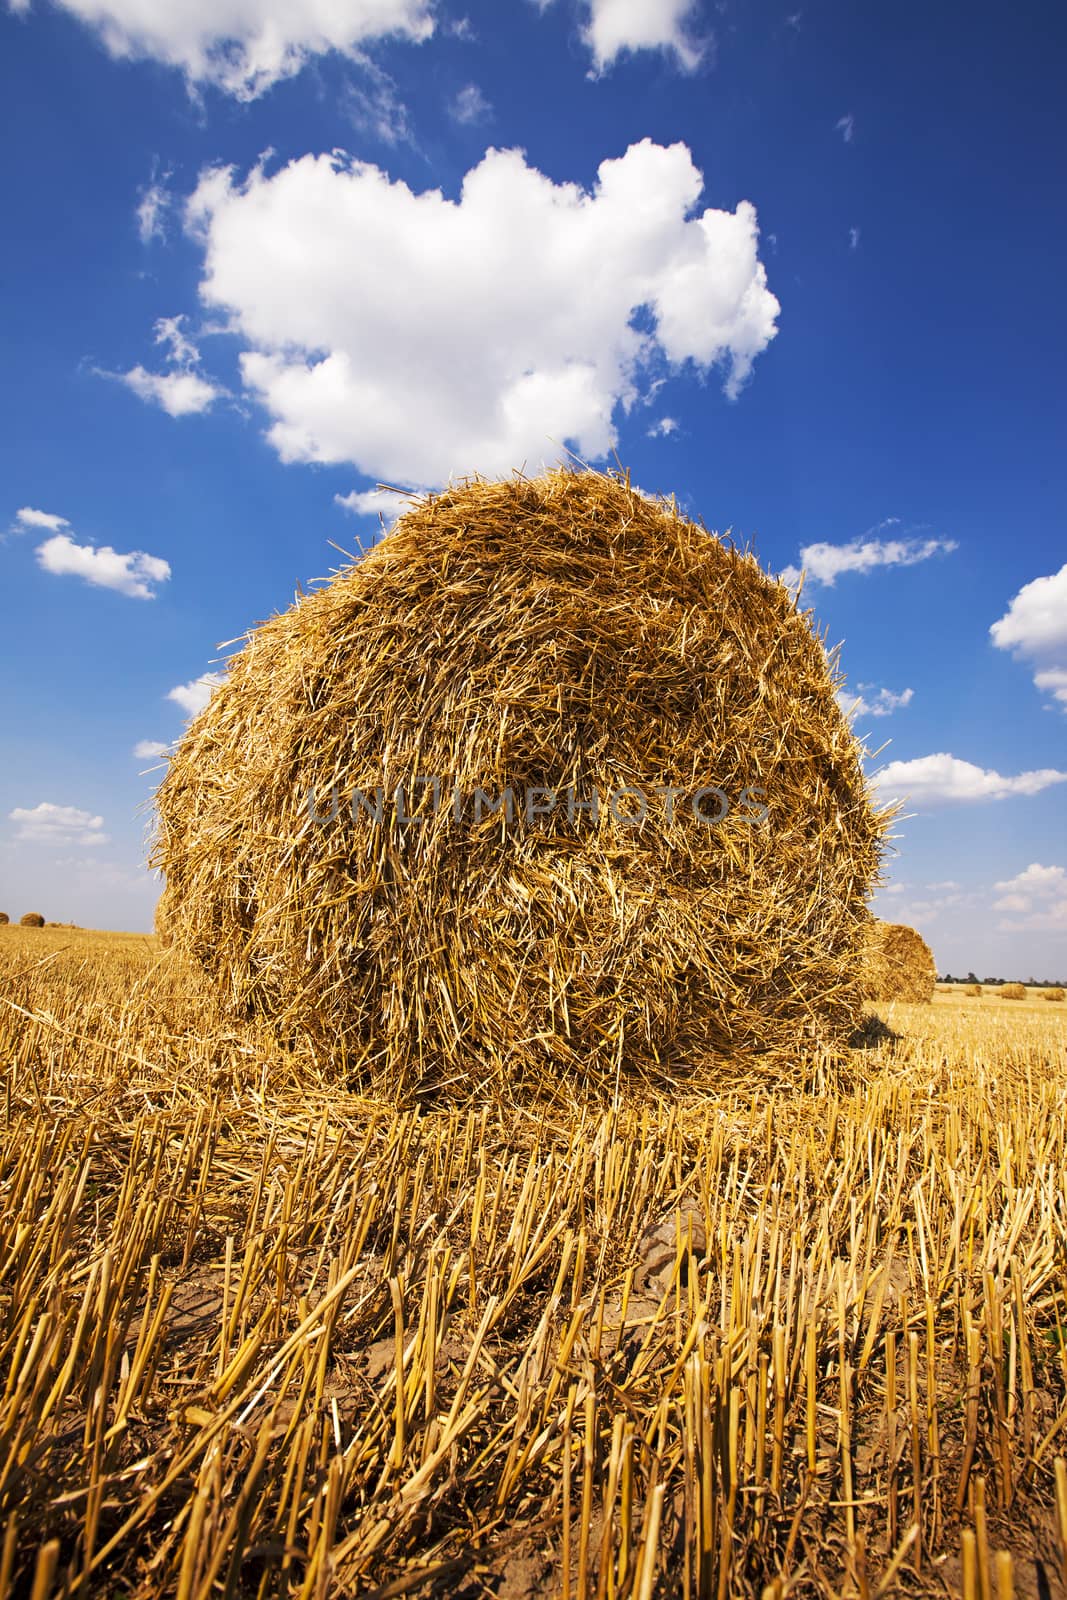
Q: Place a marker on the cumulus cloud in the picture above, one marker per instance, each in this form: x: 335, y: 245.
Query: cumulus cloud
x: 149, y: 749
x: 470, y: 105
x: 663, y: 428
x: 616, y: 27
x: 27, y: 517
x: 476, y: 334
x: 873, y: 702
x: 825, y: 563
x: 55, y: 825
x: 244, y: 46
x: 945, y: 779
x: 133, y: 573
x: 194, y: 696
x: 387, y: 503
x: 1034, y: 629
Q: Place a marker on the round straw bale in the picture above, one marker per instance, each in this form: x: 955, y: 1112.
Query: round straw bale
x: 4, y: 919
x: 32, y: 919
x: 558, y: 640
x: 972, y: 989
x: 1012, y: 991
x: 161, y: 922
x: 1055, y: 993
x: 898, y: 964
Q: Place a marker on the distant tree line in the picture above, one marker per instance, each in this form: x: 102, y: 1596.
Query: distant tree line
x: 1031, y: 983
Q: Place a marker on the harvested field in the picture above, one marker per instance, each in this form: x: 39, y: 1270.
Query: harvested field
x: 262, y: 1336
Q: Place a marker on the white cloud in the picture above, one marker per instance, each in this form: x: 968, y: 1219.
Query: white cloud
x: 180, y: 394
x: 133, y: 573
x: 245, y: 46
x: 149, y: 749
x: 846, y: 127
x: 872, y: 702
x: 27, y: 517
x: 824, y: 563
x: 194, y: 696
x: 153, y: 203
x: 853, y: 238
x: 1036, y: 620
x: 373, y: 105
x: 1035, y: 880
x: 615, y: 27
x: 51, y: 824
x: 1034, y: 628
x: 414, y: 336
x: 945, y: 778
x: 388, y: 503
x: 663, y: 428
x: 470, y: 105
x: 1038, y: 895
x: 1054, y: 681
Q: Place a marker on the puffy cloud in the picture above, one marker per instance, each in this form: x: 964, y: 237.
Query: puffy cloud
x: 946, y: 779
x: 134, y: 573
x: 470, y: 105
x: 245, y: 46
x: 1034, y: 628
x: 27, y: 517
x: 414, y: 335
x: 387, y: 503
x: 51, y: 824
x: 853, y: 238
x: 846, y: 127
x: 615, y: 27
x: 149, y: 749
x: 194, y: 696
x: 872, y: 702
x: 180, y: 394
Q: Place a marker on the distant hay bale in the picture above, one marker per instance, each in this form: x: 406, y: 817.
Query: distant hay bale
x: 972, y: 989
x: 898, y: 964
x: 1054, y: 994
x: 32, y: 919
x: 564, y: 637
x: 1012, y: 991
x: 162, y: 923
x: 4, y: 919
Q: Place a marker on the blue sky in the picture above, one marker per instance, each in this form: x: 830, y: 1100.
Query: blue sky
x: 800, y: 264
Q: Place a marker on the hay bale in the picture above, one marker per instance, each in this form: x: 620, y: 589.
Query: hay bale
x: 898, y: 964
x: 32, y: 919
x: 972, y: 989
x: 4, y: 919
x: 1055, y: 993
x: 565, y: 633
x: 161, y: 923
x: 1012, y: 991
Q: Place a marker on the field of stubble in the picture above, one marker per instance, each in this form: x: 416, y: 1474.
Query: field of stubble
x: 260, y: 1336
